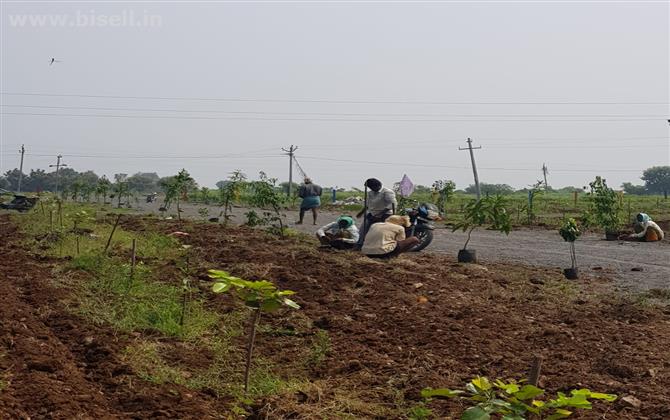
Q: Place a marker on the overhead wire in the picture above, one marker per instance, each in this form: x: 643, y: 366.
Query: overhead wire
x: 180, y: 117
x: 340, y: 114
x: 336, y: 101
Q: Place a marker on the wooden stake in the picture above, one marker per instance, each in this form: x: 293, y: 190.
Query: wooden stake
x: 535, y: 369
x: 133, y: 259
x: 109, y: 241
x: 77, y: 238
x: 250, y: 348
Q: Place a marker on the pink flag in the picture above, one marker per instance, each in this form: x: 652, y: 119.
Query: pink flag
x: 406, y: 186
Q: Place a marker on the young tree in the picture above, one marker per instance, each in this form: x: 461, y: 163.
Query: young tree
x: 260, y: 296
x: 229, y: 191
x: 265, y: 194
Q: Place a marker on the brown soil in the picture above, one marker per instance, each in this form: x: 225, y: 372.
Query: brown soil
x: 395, y: 327
x: 55, y: 365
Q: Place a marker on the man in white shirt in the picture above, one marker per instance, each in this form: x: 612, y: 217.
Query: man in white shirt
x: 380, y: 204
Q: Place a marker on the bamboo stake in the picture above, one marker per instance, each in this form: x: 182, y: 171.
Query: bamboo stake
x: 109, y: 241
x: 133, y: 259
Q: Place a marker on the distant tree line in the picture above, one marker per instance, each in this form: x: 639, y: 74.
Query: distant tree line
x: 656, y: 181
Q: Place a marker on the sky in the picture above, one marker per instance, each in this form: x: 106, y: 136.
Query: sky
x: 370, y: 89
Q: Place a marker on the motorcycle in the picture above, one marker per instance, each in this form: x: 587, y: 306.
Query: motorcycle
x: 421, y: 218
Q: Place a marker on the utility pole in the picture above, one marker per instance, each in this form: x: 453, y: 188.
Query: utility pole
x: 58, y: 165
x: 545, y: 171
x: 22, y: 151
x: 290, y: 152
x: 474, y: 167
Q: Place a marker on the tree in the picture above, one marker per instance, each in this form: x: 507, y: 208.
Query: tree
x: 629, y: 188
x: 143, y: 182
x: 657, y: 179
x: 491, y: 189
x: 102, y: 188
x: 12, y: 177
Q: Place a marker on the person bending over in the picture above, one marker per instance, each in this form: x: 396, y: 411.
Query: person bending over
x: 340, y: 234
x: 387, y: 239
x: 647, y: 230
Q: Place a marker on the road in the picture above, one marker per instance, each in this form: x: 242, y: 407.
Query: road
x: 538, y: 247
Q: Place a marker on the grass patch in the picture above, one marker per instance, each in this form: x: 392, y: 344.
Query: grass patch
x: 139, y: 304
x: 320, y: 347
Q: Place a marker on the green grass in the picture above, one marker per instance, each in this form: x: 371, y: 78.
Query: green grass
x: 140, y: 303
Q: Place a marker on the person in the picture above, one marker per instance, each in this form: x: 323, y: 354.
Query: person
x: 387, y: 239
x: 648, y: 230
x: 380, y: 204
x: 340, y: 234
x: 311, y: 199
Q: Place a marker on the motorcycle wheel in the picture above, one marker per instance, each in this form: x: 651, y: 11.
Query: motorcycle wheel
x: 425, y: 238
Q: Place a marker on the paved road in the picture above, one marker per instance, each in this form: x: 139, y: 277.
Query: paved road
x: 534, y: 247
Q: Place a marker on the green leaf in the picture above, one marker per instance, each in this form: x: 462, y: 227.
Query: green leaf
x: 218, y: 274
x: 475, y: 413
x: 220, y: 287
x: 482, y: 383
x: 270, y: 305
x: 440, y: 393
x: 509, y: 388
x: 559, y: 414
x: 595, y: 395
x: 291, y: 304
x: 528, y: 392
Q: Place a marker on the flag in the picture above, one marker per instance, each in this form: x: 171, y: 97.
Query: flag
x: 406, y: 186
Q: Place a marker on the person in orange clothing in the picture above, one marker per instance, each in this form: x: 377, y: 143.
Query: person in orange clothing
x: 647, y: 230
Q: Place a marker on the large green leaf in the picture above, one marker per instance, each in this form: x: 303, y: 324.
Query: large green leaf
x: 528, y: 392
x: 482, y: 383
x: 594, y: 395
x: 475, y: 413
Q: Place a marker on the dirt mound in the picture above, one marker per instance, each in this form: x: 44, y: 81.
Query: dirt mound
x: 392, y: 328
x: 424, y: 320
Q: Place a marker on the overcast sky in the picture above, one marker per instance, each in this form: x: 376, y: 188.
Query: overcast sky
x: 582, y: 87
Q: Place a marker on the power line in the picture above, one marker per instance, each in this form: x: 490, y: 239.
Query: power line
x: 461, y: 167
x: 338, y: 101
x: 157, y: 157
x: 341, y: 114
x: 179, y: 117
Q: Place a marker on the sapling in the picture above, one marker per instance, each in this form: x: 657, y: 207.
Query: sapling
x: 229, y: 191
x: 488, y: 210
x: 204, y: 213
x: 569, y: 231
x: 260, y: 296
x: 441, y: 193
x: 606, y: 206
x: 265, y: 194
x: 515, y: 401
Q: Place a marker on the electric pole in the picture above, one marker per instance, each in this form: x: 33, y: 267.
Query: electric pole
x: 58, y: 165
x: 474, y: 167
x: 22, y: 151
x: 290, y: 152
x: 545, y: 171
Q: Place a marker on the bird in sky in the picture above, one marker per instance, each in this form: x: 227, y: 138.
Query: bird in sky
x: 53, y: 60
